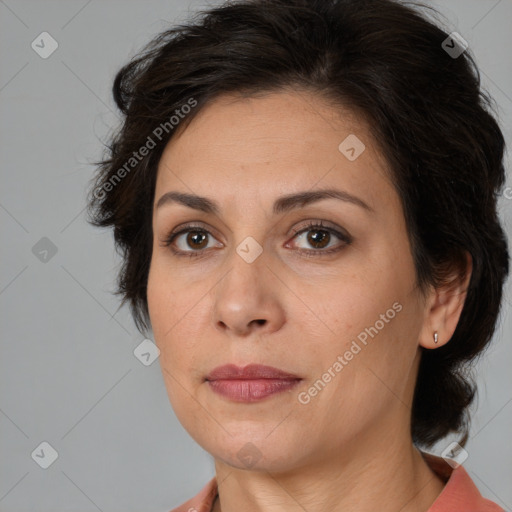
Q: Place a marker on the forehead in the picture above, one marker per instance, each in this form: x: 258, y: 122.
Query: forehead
x: 274, y: 144
x: 275, y: 120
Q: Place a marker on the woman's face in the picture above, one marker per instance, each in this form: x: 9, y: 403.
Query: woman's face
x: 253, y: 284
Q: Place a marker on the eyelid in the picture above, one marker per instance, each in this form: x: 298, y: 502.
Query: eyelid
x: 190, y: 226
x: 185, y: 228
x: 319, y: 225
x: 314, y: 223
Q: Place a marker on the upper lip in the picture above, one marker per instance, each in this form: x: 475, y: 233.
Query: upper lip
x: 251, y: 371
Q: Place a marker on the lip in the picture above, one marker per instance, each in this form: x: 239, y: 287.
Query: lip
x: 249, y: 372
x: 251, y: 383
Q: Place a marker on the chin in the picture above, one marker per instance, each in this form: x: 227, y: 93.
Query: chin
x: 254, y: 449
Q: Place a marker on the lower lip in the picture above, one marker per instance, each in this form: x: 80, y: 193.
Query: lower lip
x: 251, y: 390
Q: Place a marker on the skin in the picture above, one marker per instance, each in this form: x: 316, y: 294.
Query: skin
x: 349, y: 448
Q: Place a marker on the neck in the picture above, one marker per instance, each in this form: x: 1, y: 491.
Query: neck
x: 380, y: 475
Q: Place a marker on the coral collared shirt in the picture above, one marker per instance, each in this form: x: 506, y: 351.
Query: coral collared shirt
x: 459, y: 494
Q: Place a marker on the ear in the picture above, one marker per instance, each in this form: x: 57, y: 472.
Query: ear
x: 444, y: 306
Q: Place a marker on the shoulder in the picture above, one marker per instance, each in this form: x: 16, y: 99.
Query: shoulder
x: 202, y: 501
x: 460, y: 492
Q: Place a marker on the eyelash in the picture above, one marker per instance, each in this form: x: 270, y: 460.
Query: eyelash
x: 308, y: 227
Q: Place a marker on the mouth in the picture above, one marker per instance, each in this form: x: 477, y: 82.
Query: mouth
x: 250, y: 383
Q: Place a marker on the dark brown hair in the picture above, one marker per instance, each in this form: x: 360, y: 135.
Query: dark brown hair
x: 384, y: 60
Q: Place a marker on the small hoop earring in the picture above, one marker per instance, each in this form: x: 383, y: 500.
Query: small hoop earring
x: 435, y: 337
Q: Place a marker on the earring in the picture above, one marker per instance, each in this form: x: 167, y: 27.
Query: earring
x: 435, y: 337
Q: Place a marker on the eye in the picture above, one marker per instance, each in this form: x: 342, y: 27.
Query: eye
x: 196, y: 239
x: 319, y: 237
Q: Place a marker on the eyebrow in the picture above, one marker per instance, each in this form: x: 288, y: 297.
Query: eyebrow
x: 281, y: 205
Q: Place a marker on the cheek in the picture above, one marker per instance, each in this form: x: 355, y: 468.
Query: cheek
x: 177, y: 317
x: 157, y: 298
x: 373, y: 318
x: 166, y: 293
x: 164, y: 306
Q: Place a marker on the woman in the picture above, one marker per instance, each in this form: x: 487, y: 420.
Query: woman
x: 304, y: 193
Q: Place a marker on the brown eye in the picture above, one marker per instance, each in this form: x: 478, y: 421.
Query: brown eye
x: 193, y: 244
x: 196, y: 239
x: 318, y: 236
x: 191, y: 241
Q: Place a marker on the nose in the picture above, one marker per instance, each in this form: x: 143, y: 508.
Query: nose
x: 247, y: 301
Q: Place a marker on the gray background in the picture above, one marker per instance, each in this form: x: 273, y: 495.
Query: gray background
x: 68, y: 372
